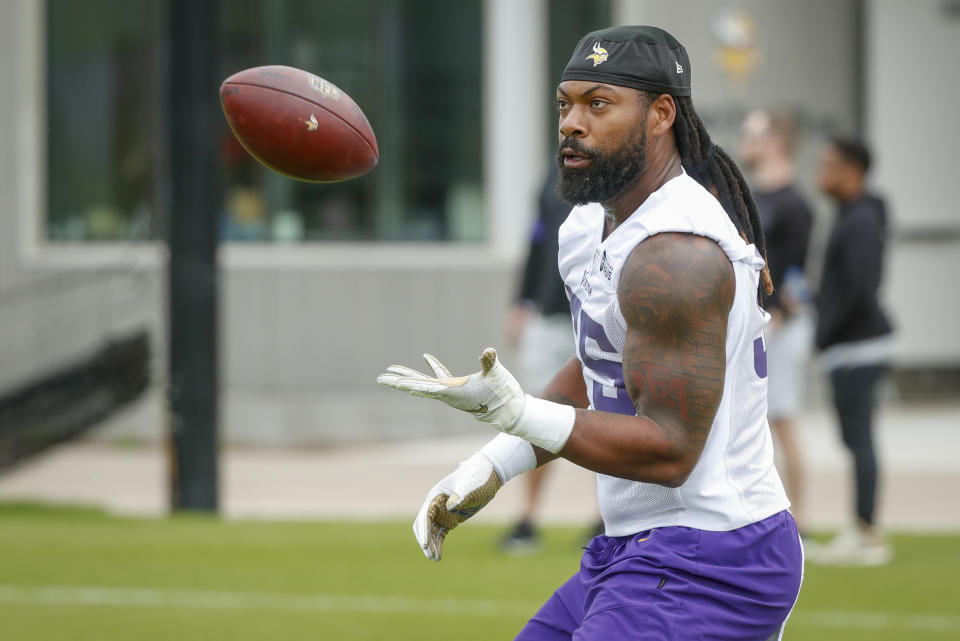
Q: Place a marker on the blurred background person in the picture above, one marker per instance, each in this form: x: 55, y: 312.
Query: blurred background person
x: 539, y: 329
x: 854, y: 336
x: 767, y: 147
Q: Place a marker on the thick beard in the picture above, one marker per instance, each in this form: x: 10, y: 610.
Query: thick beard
x: 607, y: 176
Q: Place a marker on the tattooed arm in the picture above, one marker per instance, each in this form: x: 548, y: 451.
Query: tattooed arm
x: 675, y: 292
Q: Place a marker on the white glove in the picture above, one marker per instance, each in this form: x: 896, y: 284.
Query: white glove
x: 492, y: 395
x: 453, y: 500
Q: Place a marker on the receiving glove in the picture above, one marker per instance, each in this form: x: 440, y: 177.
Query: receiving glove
x: 491, y: 395
x: 453, y: 500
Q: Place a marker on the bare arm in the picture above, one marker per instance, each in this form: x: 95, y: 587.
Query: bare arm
x: 675, y: 292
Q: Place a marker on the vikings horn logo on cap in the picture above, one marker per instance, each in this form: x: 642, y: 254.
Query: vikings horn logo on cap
x: 599, y: 54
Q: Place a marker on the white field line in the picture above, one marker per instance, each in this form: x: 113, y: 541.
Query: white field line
x: 203, y: 599
x: 373, y: 604
x: 876, y: 621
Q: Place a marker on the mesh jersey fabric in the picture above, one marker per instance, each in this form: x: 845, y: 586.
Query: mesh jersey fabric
x: 734, y: 483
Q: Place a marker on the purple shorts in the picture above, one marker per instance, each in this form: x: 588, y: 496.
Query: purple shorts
x: 679, y: 583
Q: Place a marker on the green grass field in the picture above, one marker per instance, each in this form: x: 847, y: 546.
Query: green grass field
x: 74, y: 575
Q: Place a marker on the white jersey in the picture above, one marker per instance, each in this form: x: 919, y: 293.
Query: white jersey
x: 734, y: 483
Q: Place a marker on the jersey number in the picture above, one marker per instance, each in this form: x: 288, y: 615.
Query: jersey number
x: 613, y: 396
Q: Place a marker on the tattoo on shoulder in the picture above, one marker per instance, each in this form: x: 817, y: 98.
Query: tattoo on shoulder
x: 675, y: 293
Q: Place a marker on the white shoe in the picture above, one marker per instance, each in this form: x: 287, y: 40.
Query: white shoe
x: 854, y: 546
x: 810, y: 547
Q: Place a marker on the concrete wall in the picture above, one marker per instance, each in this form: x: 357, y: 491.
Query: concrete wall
x: 304, y: 341
x: 911, y: 97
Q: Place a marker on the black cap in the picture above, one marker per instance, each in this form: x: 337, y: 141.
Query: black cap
x: 640, y: 57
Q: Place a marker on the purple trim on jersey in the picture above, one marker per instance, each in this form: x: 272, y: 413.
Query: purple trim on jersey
x: 760, y: 358
x: 575, y: 306
x: 678, y: 583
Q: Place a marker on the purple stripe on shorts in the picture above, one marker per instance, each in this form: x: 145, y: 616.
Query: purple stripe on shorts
x: 678, y: 583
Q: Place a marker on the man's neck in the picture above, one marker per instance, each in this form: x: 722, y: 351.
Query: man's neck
x: 661, y: 168
x: 850, y: 194
x: 773, y: 174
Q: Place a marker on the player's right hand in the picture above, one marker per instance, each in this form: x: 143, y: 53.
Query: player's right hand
x: 453, y: 500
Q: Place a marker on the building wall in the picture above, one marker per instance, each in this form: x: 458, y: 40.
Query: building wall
x: 305, y: 329
x: 846, y: 68
x: 781, y: 69
x: 303, y: 342
x: 911, y: 96
x: 53, y: 309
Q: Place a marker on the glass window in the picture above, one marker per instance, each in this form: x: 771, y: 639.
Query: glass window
x: 103, y: 138
x: 414, y: 66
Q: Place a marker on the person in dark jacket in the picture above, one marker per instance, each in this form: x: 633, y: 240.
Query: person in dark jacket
x: 854, y: 336
x: 767, y: 146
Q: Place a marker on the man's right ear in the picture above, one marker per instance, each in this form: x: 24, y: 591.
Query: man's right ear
x: 663, y: 113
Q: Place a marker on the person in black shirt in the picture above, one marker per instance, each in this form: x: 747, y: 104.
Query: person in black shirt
x: 854, y: 336
x: 767, y: 147
x: 540, y: 329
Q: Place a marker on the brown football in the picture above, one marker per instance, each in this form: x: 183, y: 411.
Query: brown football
x: 299, y: 124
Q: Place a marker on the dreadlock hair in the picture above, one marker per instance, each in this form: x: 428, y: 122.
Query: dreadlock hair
x: 710, y: 166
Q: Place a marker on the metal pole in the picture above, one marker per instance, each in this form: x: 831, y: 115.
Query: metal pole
x: 195, y: 203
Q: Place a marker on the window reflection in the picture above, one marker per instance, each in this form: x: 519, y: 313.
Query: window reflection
x: 414, y: 66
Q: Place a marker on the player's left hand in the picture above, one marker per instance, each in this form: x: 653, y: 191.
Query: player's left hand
x: 491, y: 395
x: 453, y: 500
